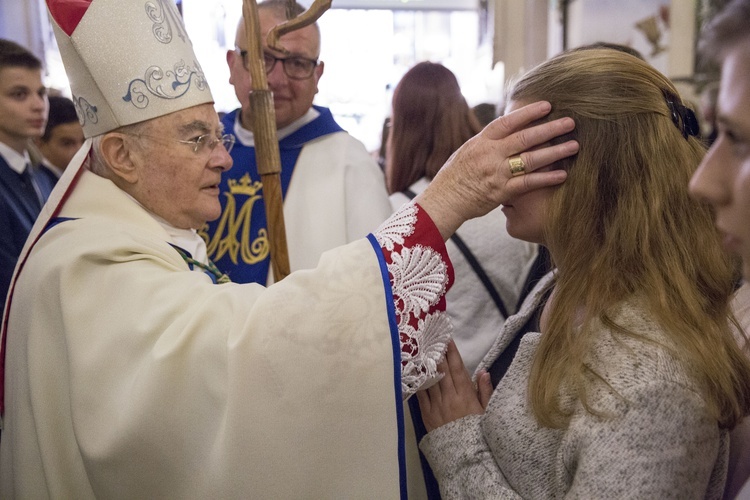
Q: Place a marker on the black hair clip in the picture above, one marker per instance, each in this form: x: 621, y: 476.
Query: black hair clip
x: 683, y: 117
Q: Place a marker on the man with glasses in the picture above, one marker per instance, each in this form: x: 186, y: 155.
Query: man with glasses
x: 334, y: 191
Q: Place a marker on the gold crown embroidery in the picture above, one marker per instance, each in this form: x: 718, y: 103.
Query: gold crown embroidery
x: 244, y: 186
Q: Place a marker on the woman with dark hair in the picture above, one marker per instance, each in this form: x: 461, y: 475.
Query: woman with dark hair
x: 430, y: 121
x: 620, y: 376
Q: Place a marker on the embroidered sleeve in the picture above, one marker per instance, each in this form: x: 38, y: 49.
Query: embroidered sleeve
x: 420, y: 274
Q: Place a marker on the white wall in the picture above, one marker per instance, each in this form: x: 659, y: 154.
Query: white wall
x: 22, y: 22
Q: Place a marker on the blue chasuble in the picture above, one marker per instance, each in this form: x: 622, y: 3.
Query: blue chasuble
x: 237, y: 242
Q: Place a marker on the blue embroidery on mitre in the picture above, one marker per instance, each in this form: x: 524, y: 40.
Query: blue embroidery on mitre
x: 86, y: 111
x: 161, y: 15
x: 165, y: 84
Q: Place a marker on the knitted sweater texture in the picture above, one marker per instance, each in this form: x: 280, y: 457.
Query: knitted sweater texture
x: 653, y: 436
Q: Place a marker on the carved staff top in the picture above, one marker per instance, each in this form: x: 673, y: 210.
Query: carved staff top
x: 264, y: 120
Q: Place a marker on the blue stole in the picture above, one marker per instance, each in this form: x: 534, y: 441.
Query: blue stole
x: 237, y: 242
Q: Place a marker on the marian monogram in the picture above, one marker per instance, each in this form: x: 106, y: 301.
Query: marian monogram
x: 233, y: 232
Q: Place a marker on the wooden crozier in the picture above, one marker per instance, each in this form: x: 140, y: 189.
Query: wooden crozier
x: 264, y: 123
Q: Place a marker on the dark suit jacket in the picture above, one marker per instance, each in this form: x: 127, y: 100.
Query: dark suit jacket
x: 49, y: 173
x: 19, y: 208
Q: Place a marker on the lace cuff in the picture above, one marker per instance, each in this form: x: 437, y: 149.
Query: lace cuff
x: 420, y: 274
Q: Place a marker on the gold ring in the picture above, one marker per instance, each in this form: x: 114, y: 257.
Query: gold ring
x: 517, y: 166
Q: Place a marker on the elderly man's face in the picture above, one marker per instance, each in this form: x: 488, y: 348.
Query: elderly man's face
x: 723, y: 178
x: 174, y: 182
x: 291, y: 98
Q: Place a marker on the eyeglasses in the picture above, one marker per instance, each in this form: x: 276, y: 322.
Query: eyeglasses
x: 295, y: 67
x: 202, y: 144
x: 208, y: 142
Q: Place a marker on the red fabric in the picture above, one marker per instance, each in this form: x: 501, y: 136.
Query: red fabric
x: 68, y: 13
x: 425, y: 234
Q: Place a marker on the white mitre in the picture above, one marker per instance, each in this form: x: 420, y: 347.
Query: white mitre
x: 127, y: 61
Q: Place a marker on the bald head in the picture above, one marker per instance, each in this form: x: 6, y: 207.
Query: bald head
x: 277, y: 10
x: 292, y: 96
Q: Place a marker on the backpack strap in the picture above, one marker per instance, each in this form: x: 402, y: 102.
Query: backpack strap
x: 539, y: 269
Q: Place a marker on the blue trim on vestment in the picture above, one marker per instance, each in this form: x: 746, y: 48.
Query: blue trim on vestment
x: 396, y: 347
x: 324, y: 124
x: 57, y: 220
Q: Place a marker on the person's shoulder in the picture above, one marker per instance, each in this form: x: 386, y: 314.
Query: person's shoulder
x: 341, y: 139
x: 9, y: 180
x: 101, y: 241
x: 342, y: 148
x: 5, y: 173
x: 45, y: 177
x: 228, y: 121
x: 4, y: 167
x: 638, y: 351
x: 634, y: 314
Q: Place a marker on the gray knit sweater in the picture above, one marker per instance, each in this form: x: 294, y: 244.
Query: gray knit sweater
x: 658, y: 440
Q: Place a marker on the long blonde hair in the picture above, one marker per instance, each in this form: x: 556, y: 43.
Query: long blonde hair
x: 623, y: 226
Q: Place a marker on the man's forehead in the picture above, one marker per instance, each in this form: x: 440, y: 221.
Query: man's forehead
x: 20, y: 76
x: 733, y: 103
x: 197, y: 118
x: 304, y: 41
x: 66, y: 130
x: 197, y: 126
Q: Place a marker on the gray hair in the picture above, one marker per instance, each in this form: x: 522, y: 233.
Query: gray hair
x: 96, y: 161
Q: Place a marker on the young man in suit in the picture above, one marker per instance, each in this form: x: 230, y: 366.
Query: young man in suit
x: 23, y: 116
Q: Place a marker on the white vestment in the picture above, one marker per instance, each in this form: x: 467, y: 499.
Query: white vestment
x: 127, y: 377
x: 337, y: 195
